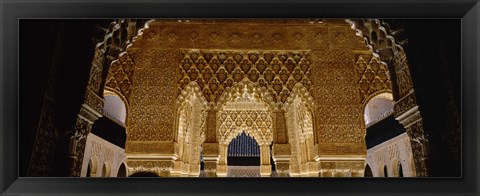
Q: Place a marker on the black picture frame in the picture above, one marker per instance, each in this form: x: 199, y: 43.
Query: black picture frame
x: 12, y: 11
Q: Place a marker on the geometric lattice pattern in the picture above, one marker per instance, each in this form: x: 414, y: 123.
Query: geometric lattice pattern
x: 120, y: 75
x: 257, y: 123
x: 372, y: 76
x: 216, y: 70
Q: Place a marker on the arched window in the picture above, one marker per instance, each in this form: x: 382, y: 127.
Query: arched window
x: 114, y: 107
x: 400, y: 170
x: 385, y: 172
x: 89, y: 169
x: 122, y: 171
x: 368, y: 171
x: 106, y: 170
x: 92, y: 167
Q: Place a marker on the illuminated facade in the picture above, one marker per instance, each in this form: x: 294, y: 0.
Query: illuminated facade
x: 299, y: 96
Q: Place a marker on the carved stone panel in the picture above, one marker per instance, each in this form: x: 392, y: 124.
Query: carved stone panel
x: 152, y: 107
x: 338, y: 108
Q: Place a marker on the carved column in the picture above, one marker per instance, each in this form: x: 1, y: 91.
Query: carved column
x: 407, y: 113
x: 265, y: 167
x: 303, y: 166
x: 281, y: 156
x: 91, y: 110
x: 222, y: 162
x: 312, y: 152
x: 281, y: 148
x: 210, y: 158
x: 195, y: 141
x: 413, y: 123
x: 178, y: 163
x: 186, y: 161
x: 210, y: 146
x: 194, y: 160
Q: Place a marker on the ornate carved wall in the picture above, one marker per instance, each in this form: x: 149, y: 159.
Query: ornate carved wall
x: 325, y: 56
x: 338, y: 110
x: 149, y: 72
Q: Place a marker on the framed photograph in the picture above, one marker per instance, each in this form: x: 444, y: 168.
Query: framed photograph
x: 224, y: 97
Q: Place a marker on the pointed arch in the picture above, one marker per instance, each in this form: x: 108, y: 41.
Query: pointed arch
x: 122, y: 170
x: 368, y: 171
x: 92, y: 166
x: 299, y: 90
x: 254, y: 103
x: 106, y: 170
x: 299, y: 116
x: 191, y: 107
x: 191, y: 89
x: 260, y: 94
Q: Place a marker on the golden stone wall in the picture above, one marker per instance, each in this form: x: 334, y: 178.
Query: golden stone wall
x: 152, y: 107
x: 339, y: 117
x: 325, y: 58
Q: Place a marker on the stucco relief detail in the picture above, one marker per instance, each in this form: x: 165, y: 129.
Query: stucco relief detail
x: 153, y: 96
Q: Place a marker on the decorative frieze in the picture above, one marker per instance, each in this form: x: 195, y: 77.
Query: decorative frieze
x: 154, y: 147
x: 277, y: 34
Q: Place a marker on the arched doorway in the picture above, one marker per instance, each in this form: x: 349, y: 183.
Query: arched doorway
x: 245, y: 109
x: 243, y: 157
x: 368, y: 171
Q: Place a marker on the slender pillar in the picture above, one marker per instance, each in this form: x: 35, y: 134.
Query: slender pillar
x: 222, y: 162
x: 186, y: 161
x: 281, y: 156
x: 194, y: 161
x: 303, y: 158
x: 83, y: 126
x: 265, y: 167
x: 211, y: 148
x: 408, y: 115
x: 281, y: 148
x: 312, y: 165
